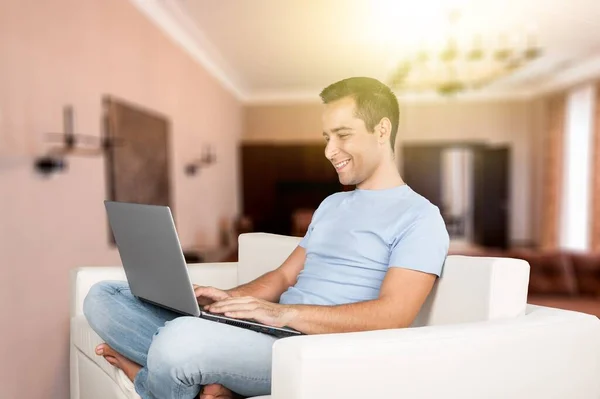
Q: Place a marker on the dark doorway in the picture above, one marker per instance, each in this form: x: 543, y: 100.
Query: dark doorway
x: 491, y: 204
x: 423, y: 169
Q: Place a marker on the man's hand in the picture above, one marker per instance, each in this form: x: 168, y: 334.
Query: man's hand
x: 272, y: 314
x: 208, y: 295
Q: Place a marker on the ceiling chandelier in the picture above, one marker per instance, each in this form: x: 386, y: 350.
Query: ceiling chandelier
x: 463, y: 65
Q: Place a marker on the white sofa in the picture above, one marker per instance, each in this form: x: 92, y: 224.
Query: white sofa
x: 475, y: 338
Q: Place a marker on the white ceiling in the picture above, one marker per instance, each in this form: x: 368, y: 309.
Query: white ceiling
x: 273, y: 50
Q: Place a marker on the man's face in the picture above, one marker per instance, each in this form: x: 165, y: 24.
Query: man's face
x: 351, y: 148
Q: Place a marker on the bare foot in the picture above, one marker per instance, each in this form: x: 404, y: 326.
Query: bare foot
x: 129, y: 367
x: 216, y: 391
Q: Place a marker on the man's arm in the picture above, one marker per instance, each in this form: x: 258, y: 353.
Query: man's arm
x: 423, y: 245
x: 271, y: 285
x: 402, y: 294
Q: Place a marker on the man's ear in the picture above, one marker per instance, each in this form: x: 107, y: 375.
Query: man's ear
x: 383, y: 130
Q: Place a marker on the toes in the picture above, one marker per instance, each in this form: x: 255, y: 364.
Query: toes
x: 112, y: 360
x: 212, y: 389
x: 215, y: 391
x: 100, y: 349
x: 105, y: 350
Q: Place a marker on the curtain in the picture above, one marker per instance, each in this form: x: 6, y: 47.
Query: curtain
x: 595, y: 211
x: 553, y: 171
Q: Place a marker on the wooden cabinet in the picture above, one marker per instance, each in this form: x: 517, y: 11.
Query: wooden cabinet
x: 280, y: 178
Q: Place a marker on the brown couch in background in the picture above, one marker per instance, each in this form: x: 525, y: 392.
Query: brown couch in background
x: 564, y: 280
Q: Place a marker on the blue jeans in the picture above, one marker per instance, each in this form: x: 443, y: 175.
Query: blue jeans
x: 178, y: 354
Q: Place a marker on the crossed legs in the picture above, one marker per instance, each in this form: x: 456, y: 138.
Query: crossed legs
x: 169, y: 356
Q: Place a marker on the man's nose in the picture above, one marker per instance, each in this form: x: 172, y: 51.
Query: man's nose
x: 330, y: 150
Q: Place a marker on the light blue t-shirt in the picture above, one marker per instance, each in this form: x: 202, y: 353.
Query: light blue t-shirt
x: 354, y: 238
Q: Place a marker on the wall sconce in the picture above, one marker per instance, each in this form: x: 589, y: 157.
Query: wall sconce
x: 55, y: 158
x: 207, y: 158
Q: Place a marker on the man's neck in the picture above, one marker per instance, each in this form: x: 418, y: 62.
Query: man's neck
x: 386, y: 176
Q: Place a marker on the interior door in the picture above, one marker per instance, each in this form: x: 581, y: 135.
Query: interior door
x: 491, y: 203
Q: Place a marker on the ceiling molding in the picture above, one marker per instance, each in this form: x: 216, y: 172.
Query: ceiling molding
x: 172, y: 19
x: 309, y: 97
x: 467, y: 96
x: 585, y: 70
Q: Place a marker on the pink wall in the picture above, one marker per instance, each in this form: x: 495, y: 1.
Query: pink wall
x: 73, y: 52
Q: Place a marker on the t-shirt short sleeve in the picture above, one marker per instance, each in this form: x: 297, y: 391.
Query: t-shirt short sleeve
x: 304, y: 242
x: 423, y: 245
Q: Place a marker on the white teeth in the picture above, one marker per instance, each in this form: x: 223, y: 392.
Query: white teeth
x: 341, y: 164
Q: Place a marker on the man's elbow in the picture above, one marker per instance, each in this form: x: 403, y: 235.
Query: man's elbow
x: 397, y: 318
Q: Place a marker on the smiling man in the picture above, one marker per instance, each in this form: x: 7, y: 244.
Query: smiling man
x: 368, y: 261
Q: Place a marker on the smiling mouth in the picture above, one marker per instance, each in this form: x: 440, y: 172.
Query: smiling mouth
x: 340, y: 165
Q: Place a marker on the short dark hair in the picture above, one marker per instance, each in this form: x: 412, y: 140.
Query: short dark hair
x: 374, y: 101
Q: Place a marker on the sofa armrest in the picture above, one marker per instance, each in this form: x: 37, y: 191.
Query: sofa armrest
x: 221, y: 275
x: 546, y: 354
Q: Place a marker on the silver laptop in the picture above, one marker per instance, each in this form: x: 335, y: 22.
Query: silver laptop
x: 155, y: 266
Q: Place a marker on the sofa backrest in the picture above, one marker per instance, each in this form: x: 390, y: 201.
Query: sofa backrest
x: 259, y: 253
x: 474, y: 289
x: 470, y: 289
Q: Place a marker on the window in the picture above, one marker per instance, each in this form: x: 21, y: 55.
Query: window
x: 576, y: 196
